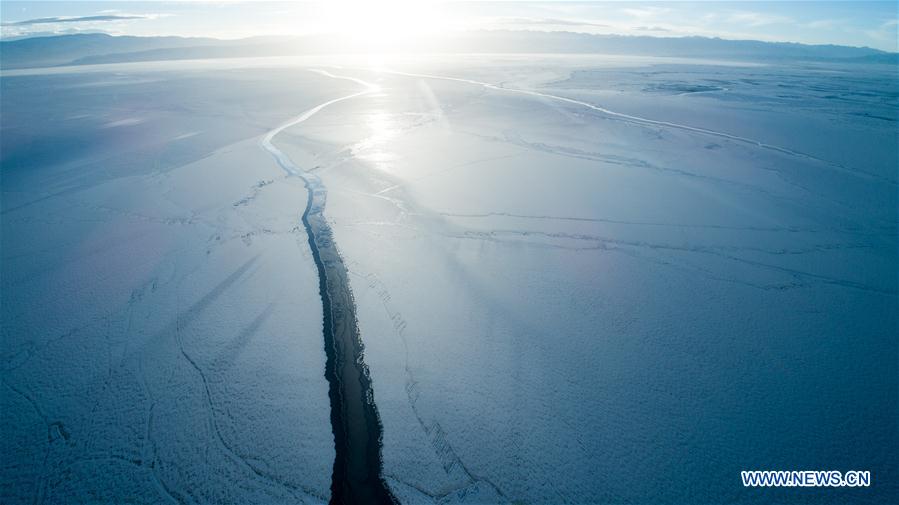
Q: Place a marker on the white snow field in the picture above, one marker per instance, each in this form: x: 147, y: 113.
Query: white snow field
x: 577, y: 279
x: 161, y: 317
x: 564, y: 305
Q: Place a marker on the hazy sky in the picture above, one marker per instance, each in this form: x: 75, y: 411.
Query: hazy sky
x: 871, y: 24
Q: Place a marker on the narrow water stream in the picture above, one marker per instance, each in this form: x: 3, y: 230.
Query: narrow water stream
x: 354, y: 416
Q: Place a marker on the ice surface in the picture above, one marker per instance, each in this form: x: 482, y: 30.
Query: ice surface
x: 625, y: 285
x: 161, y: 319
x: 566, y: 306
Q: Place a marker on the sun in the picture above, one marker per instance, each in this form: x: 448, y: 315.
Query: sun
x: 383, y: 25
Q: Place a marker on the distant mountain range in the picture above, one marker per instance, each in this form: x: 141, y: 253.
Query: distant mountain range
x: 94, y: 48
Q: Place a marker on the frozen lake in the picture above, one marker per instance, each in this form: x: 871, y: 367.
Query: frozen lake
x: 577, y: 279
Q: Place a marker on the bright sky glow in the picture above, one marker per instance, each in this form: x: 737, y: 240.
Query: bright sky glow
x: 398, y: 22
x: 388, y: 23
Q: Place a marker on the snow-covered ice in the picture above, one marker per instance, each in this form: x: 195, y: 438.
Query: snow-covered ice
x: 566, y: 305
x: 161, y: 318
x: 577, y: 279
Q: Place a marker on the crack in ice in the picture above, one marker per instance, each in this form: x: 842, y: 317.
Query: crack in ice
x: 355, y: 421
x: 652, y: 122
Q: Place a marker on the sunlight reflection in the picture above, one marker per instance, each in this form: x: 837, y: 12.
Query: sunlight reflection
x: 383, y: 128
